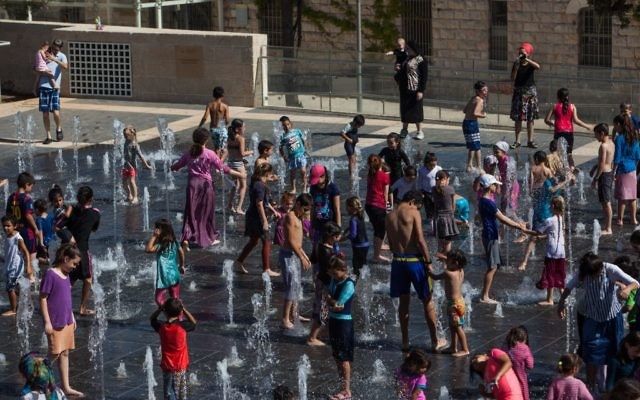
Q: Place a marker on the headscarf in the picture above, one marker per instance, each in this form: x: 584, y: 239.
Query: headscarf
x: 415, y: 47
x: 37, y: 370
x: 526, y: 46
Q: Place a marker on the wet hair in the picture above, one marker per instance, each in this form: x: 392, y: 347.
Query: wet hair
x: 358, y: 120
x: 563, y: 97
x: 54, y: 192
x: 284, y: 118
x: 356, y: 203
x: 9, y: 218
x: 553, y: 146
x: 415, y: 361
x: 24, y: 179
x: 430, y: 157
x: 625, y: 389
x: 304, y: 200
x: 218, y: 92
x: 337, y: 264
x: 283, y: 392
x: 375, y: 163
x: 410, y: 170
x: 557, y: 203
x: 635, y: 237
x: 84, y: 195
x: 261, y: 171
x: 395, y: 137
x: 458, y: 257
x: 479, y: 85
x: 66, y: 250
x: 631, y: 340
x: 199, y: 137
x: 413, y: 195
x: 518, y: 334
x: 235, y: 125
x: 590, y: 265
x: 167, y: 235
x: 601, y: 128
x: 264, y: 145
x: 568, y: 363
x: 40, y: 205
x: 172, y: 307
x: 539, y: 157
x: 628, y: 130
x: 329, y: 230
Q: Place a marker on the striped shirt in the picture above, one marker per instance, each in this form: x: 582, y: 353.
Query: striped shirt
x: 599, y: 294
x: 568, y: 388
x: 521, y: 360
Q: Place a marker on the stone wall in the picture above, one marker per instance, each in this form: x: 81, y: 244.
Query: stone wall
x: 167, y: 65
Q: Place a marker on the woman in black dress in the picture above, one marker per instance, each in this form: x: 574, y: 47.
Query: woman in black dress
x: 412, y: 82
x: 524, y: 104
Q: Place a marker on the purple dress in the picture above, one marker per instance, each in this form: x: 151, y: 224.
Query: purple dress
x: 199, y: 212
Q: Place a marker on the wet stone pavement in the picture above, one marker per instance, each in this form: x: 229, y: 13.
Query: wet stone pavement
x: 204, y: 291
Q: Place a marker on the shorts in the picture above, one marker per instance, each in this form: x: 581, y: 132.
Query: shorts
x: 350, y: 148
x: 342, y: 338
x: 600, y: 340
x: 175, y: 385
x: 62, y: 339
x: 49, y: 99
x: 11, y: 276
x: 554, y: 273
x: 456, y: 310
x: 408, y: 269
x: 471, y: 131
x: 297, y: 163
x: 129, y: 172
x: 568, y: 136
x: 377, y: 217
x: 219, y: 137
x: 29, y: 238
x: 237, y: 165
x: 85, y: 269
x: 492, y: 253
x: 285, y: 259
x: 605, y: 183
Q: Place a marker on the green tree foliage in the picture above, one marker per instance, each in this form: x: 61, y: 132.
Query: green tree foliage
x: 625, y: 10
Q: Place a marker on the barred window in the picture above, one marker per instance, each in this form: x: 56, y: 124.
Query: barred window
x: 594, y: 33
x: 271, y: 22
x: 498, y: 49
x: 416, y: 23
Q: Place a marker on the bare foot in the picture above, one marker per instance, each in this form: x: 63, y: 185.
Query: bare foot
x: 469, y: 168
x: 72, y: 392
x: 619, y: 222
x: 8, y: 313
x: 286, y: 324
x: 460, y: 353
x: 522, y: 266
x: 606, y: 232
x: 315, y: 342
x: 440, y: 345
x: 487, y: 300
x: 381, y: 260
x: 85, y: 312
x: 272, y: 273
x: 135, y: 201
x: 240, y: 267
x: 545, y: 303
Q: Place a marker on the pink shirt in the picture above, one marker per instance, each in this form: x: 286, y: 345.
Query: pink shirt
x: 522, y: 360
x: 568, y: 388
x: 40, y: 63
x: 406, y: 384
x: 200, y: 167
x: 508, y: 387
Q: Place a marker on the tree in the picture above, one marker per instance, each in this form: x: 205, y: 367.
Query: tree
x: 625, y: 10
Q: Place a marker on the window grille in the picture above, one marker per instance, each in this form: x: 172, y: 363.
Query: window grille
x: 100, y: 69
x: 271, y: 22
x: 498, y: 49
x: 594, y: 32
x: 416, y: 23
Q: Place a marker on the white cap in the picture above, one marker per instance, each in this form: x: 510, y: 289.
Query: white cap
x: 502, y: 145
x: 487, y: 180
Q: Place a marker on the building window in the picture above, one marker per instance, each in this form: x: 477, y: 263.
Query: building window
x: 271, y: 22
x: 498, y: 51
x: 416, y: 23
x: 594, y: 32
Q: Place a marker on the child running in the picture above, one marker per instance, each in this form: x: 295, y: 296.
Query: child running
x: 16, y: 256
x: 474, y: 109
x: 393, y: 157
x: 444, y: 204
x: 357, y: 234
x: 57, y: 312
x: 567, y: 386
x: 294, y: 153
x: 341, y: 293
x: 602, y: 174
x: 453, y: 277
x: 131, y: 154
x: 174, y: 346
x: 350, y: 136
x: 626, y: 362
x: 554, y: 273
x: 521, y: 356
x: 170, y: 261
x: 218, y: 112
x: 411, y: 381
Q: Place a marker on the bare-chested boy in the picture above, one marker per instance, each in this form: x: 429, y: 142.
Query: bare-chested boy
x: 602, y: 173
x: 453, y: 277
x: 218, y: 112
x: 472, y: 111
x: 410, y: 257
x: 291, y: 248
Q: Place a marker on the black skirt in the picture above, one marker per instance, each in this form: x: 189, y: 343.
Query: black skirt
x: 411, y: 109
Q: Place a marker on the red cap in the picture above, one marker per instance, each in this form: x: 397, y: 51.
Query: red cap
x: 317, y: 171
x: 526, y: 46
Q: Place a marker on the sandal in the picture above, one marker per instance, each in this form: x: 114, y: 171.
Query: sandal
x: 47, y: 141
x: 515, y: 145
x: 59, y: 135
x: 532, y: 145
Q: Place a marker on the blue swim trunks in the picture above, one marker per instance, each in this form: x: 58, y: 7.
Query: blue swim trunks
x: 408, y: 269
x: 297, y: 163
x: 219, y: 137
x: 471, y: 131
x: 49, y: 99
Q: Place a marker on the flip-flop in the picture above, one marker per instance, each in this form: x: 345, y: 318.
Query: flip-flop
x: 59, y: 135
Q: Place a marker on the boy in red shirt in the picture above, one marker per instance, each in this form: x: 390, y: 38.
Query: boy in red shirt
x: 175, y: 351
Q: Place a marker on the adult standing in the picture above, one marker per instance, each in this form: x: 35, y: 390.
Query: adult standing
x: 411, y: 259
x: 524, y: 103
x: 412, y: 82
x: 49, y: 97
